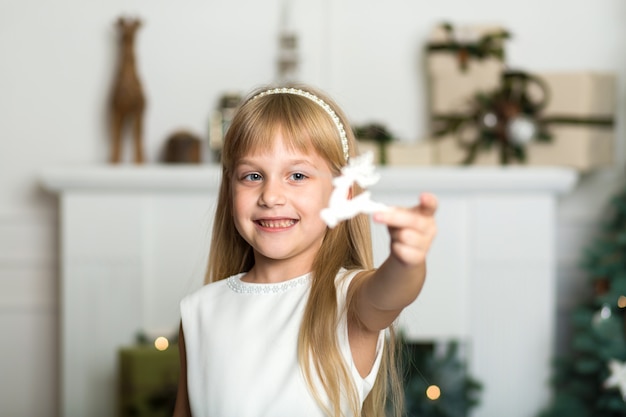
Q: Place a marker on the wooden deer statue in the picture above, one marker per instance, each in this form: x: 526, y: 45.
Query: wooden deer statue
x: 127, y: 101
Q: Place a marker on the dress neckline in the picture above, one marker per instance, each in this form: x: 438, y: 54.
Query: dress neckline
x: 237, y: 285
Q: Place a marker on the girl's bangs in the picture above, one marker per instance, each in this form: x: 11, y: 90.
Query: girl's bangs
x: 303, y: 125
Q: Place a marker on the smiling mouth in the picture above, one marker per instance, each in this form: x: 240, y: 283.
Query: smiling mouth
x: 276, y: 224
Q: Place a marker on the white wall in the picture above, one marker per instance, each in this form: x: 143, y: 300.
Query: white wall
x: 56, y: 64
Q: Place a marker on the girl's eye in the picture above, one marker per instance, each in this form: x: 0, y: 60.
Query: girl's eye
x: 298, y: 176
x: 253, y: 177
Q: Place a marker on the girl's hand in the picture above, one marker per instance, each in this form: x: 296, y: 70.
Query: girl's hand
x: 411, y: 230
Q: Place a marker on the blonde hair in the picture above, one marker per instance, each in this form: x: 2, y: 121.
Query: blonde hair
x: 307, y: 127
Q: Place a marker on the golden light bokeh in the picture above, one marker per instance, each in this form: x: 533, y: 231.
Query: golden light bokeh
x: 433, y: 392
x: 621, y: 301
x: 161, y: 343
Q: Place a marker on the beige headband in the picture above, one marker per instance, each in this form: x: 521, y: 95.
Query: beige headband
x: 319, y: 102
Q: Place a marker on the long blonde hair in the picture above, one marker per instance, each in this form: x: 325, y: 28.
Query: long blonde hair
x: 308, y: 128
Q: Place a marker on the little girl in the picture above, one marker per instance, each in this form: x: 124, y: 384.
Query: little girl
x: 292, y: 320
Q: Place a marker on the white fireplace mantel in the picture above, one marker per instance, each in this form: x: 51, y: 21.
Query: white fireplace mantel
x: 206, y: 178
x: 135, y: 240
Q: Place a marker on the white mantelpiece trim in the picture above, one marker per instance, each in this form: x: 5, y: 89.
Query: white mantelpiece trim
x: 178, y: 178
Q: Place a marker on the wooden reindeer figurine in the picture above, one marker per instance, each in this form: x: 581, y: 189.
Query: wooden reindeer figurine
x: 128, y: 101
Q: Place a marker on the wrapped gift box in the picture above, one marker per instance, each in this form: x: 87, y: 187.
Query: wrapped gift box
x: 579, y: 116
x: 577, y: 147
x: 451, y: 84
x: 148, y: 380
x: 581, y: 95
x: 452, y: 94
x: 580, y: 147
x: 580, y: 113
x: 401, y: 153
x: 406, y: 154
x: 448, y: 151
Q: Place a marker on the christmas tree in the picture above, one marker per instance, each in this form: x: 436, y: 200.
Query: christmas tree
x: 590, y: 381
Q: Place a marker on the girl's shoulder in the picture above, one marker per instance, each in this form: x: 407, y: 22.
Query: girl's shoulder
x: 345, y: 276
x: 212, y: 289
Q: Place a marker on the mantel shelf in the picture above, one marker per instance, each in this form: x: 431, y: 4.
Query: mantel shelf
x: 556, y: 180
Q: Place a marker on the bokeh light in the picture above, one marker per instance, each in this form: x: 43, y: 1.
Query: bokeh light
x: 161, y: 343
x: 433, y: 392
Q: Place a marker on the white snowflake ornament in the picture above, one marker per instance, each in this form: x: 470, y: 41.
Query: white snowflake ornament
x: 362, y: 171
x: 617, y: 377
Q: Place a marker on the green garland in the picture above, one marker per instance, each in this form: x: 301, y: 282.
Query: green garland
x: 488, y: 45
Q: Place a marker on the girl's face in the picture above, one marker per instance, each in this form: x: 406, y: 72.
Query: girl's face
x: 278, y: 195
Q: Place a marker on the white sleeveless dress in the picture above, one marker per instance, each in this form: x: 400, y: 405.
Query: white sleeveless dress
x: 241, y: 345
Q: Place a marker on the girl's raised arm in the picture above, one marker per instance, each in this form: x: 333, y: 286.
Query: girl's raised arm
x: 381, y: 295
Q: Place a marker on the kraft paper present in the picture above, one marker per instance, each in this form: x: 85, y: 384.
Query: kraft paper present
x: 583, y: 148
x: 442, y: 59
x: 452, y: 94
x: 447, y: 63
x: 456, y: 72
x: 448, y: 151
x: 402, y: 153
x: 407, y: 154
x: 578, y: 115
x: 582, y: 95
x: 580, y: 147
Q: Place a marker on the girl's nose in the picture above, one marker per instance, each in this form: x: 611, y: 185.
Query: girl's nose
x: 273, y: 194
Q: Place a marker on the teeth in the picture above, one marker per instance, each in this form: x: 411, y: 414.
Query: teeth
x: 276, y: 223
